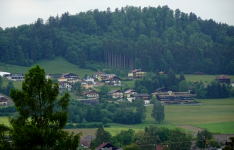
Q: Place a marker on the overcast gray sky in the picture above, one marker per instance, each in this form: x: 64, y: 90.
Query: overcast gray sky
x: 18, y: 12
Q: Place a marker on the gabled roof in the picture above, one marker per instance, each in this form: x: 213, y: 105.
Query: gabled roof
x: 137, y: 70
x: 99, y: 72
x: 112, y: 77
x: 89, y: 137
x: 113, y: 91
x: 222, y: 77
x: 140, y: 95
x: 104, y: 144
x: 129, y: 90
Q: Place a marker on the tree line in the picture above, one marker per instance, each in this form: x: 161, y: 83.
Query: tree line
x: 126, y: 38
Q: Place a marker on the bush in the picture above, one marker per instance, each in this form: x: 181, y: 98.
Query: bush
x: 69, y: 126
x: 107, y: 125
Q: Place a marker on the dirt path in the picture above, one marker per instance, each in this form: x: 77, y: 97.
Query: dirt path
x: 191, y: 128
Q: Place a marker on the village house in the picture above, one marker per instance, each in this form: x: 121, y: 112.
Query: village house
x: 174, y: 97
x: 223, y: 79
x: 71, y: 77
x: 3, y: 100
x: 107, y: 146
x: 114, y: 80
x: 86, y: 85
x: 86, y: 141
x: 143, y: 96
x: 129, y: 92
x: 91, y: 101
x: 91, y: 94
x: 137, y: 74
x: 115, y: 94
x: 64, y: 85
x: 62, y: 79
x: 105, y: 76
x: 88, y: 78
x: 96, y: 74
x: 16, y: 77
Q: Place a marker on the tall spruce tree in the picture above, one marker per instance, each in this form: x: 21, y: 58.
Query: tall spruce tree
x: 39, y: 123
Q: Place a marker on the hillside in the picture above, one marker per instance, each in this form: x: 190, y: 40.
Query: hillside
x: 57, y: 65
x: 131, y: 37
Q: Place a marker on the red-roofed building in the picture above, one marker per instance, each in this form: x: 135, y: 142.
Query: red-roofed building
x: 137, y: 74
x: 223, y: 79
x: 107, y: 146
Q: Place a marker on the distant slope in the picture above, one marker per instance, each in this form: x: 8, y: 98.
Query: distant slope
x: 57, y: 65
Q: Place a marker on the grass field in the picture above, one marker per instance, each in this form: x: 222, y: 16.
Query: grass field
x: 204, y: 78
x: 217, y: 115
x: 57, y: 65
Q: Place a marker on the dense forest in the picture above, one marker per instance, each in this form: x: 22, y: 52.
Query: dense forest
x: 131, y: 37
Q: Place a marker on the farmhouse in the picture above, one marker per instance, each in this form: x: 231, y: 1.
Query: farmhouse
x: 115, y: 93
x: 64, y: 85
x: 90, y: 101
x: 62, y: 79
x: 86, y: 141
x: 137, y: 74
x: 105, y: 76
x: 129, y: 92
x: 143, y: 96
x: 86, y: 85
x: 71, y: 77
x: 174, y: 97
x: 107, y: 146
x: 223, y: 79
x: 91, y: 94
x: 16, y: 77
x: 3, y: 100
x: 114, y: 80
x: 96, y: 74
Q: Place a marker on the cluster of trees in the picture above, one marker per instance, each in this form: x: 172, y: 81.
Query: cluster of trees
x: 152, y: 136
x: 5, y: 111
x: 126, y: 38
x: 151, y: 82
x: 123, y: 113
x: 213, y: 90
x: 6, y: 90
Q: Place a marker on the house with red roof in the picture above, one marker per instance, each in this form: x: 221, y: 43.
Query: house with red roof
x: 137, y: 74
x: 107, y: 146
x: 223, y: 79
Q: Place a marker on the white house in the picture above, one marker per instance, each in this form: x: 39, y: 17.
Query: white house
x: 4, y: 73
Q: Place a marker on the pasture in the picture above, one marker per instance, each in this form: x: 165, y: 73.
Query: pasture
x: 203, y: 78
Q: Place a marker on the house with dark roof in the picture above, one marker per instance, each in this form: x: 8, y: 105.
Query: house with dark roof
x: 91, y: 94
x: 91, y: 101
x: 174, y: 97
x: 71, y: 77
x: 86, y: 141
x: 137, y: 74
x: 115, y: 94
x: 113, y: 80
x: 96, y: 74
x: 107, y: 146
x: 223, y: 79
x: 143, y: 96
x: 16, y: 77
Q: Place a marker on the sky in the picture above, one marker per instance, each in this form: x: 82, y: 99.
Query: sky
x: 18, y: 12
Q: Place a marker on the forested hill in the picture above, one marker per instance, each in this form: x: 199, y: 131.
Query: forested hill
x: 131, y: 37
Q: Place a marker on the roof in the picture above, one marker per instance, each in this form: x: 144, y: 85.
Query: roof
x: 107, y: 75
x: 62, y: 78
x: 89, y: 137
x: 111, y: 78
x: 99, y: 72
x: 3, y: 73
x: 90, y: 82
x: 130, y: 90
x: 113, y: 91
x: 90, y: 91
x: 160, y: 147
x: 104, y: 144
x: 140, y: 95
x: 222, y: 77
x: 136, y: 70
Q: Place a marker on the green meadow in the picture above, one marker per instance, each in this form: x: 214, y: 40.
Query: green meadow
x: 217, y: 115
x: 203, y: 78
